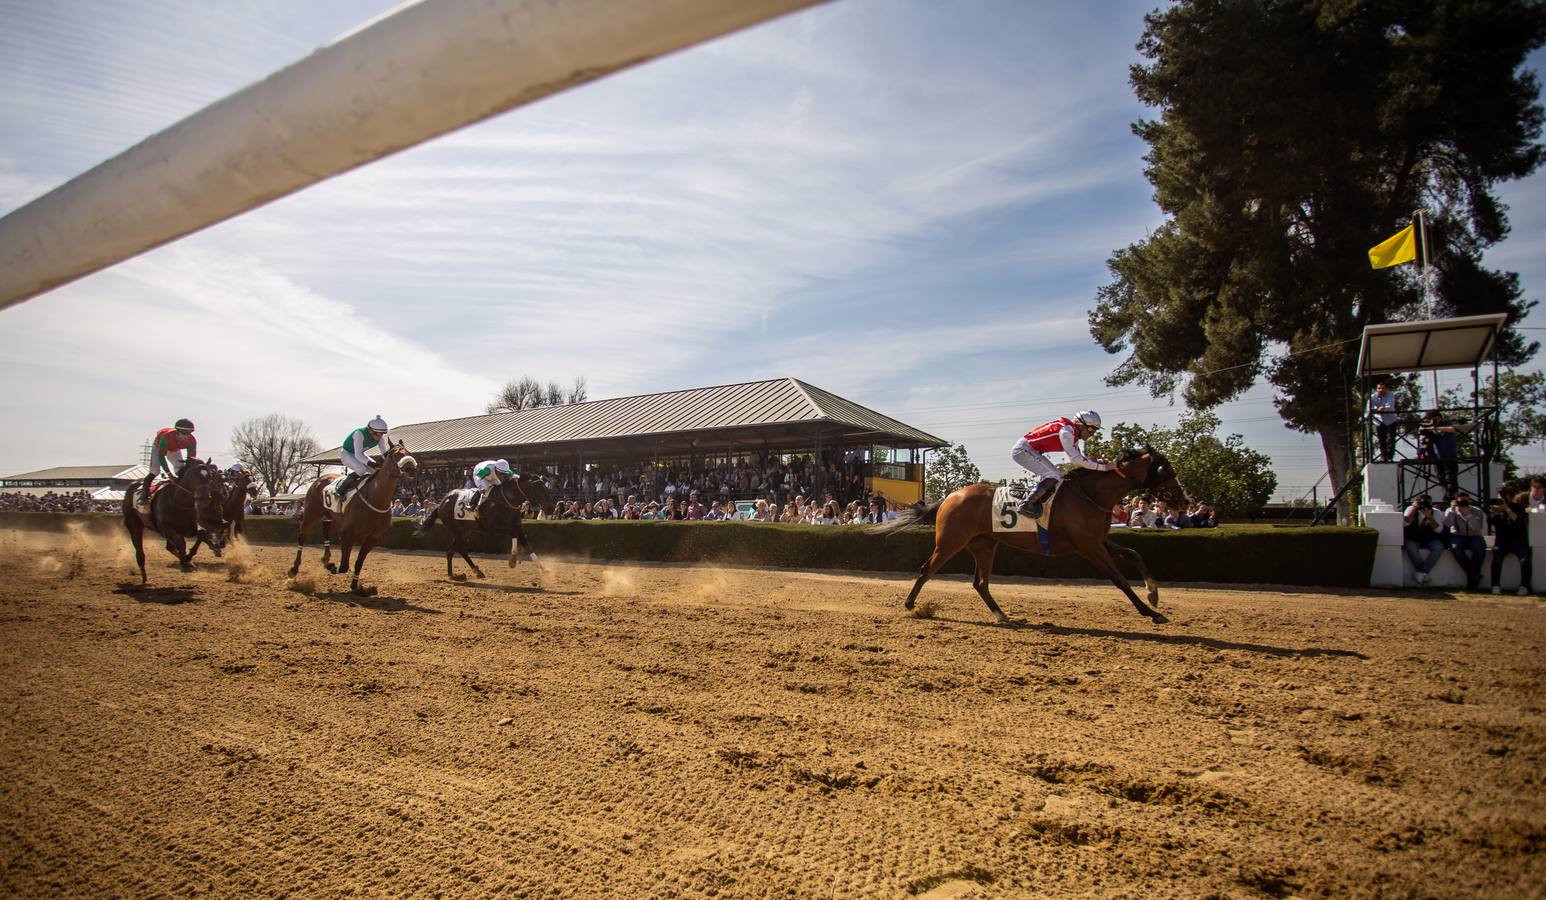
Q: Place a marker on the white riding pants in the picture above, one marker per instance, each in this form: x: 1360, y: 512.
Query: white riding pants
x: 1032, y: 461
x: 355, y: 464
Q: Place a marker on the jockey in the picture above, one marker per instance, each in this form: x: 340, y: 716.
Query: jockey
x: 373, y: 434
x: 485, y: 476
x: 169, y: 443
x: 1060, y: 434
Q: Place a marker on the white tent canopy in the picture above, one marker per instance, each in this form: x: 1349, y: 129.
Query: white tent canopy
x: 1429, y: 345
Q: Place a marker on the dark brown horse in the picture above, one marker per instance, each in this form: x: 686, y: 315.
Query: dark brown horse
x: 364, y: 519
x: 499, y: 514
x: 1080, y: 523
x: 187, y: 507
x: 239, y: 487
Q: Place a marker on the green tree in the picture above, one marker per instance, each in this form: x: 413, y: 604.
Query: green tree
x: 950, y: 469
x: 1222, y: 472
x: 1292, y: 136
x: 1521, y: 411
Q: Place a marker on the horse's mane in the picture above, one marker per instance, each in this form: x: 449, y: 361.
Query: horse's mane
x: 1125, y: 456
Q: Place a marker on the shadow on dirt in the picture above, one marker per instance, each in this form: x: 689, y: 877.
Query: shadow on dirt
x: 379, y: 604
x: 164, y: 595
x: 1177, y: 639
x: 514, y: 589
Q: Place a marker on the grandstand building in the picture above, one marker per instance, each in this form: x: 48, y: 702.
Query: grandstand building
x: 104, y: 482
x: 760, y: 423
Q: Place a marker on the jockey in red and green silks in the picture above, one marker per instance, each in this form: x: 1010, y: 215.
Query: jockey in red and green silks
x: 353, y: 453
x: 169, y: 444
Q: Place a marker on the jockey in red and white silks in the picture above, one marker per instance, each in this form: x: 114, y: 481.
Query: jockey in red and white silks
x: 1061, y: 435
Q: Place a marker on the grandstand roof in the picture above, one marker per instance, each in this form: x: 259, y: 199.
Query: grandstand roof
x: 81, y: 473
x: 778, y: 413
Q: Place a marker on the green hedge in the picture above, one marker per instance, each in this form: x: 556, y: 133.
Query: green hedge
x: 1238, y: 554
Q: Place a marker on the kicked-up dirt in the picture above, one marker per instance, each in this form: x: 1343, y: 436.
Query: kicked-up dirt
x: 589, y: 728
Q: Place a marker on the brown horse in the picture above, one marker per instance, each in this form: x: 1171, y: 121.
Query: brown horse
x: 364, y: 519
x: 239, y: 487
x: 499, y: 514
x: 1080, y: 523
x: 188, y: 507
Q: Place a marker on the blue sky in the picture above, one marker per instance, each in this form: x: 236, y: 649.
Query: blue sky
x: 908, y: 204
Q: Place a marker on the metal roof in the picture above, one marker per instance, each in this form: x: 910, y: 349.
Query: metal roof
x: 1459, y: 343
x: 81, y: 473
x: 780, y: 411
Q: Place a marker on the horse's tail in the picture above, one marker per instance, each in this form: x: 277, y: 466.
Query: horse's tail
x: 910, y: 516
x: 428, y: 522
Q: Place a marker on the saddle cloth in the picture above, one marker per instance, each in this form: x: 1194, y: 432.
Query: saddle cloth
x: 156, y: 487
x: 1007, y: 516
x: 335, y: 504
x: 463, y: 497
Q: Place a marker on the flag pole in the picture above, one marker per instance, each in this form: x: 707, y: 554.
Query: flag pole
x: 1422, y: 242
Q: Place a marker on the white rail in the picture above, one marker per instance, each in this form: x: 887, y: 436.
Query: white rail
x: 426, y: 68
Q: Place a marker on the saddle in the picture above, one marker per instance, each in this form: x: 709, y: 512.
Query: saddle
x: 143, y: 502
x: 1008, y: 518
x: 336, y: 504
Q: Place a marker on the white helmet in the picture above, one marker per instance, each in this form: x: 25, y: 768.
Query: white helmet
x: 377, y: 424
x: 502, y: 465
x: 237, y: 467
x: 1091, y: 418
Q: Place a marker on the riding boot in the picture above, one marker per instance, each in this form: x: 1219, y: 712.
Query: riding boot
x: 143, y: 502
x: 472, y: 504
x: 1032, y: 505
x: 344, y: 485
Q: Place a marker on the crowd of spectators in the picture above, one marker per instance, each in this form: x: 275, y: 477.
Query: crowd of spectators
x: 1461, y: 527
x: 55, y: 501
x: 776, y: 479
x: 1147, y: 512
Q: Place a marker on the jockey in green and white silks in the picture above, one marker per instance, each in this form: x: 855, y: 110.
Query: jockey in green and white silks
x: 372, y: 434
x: 486, y: 475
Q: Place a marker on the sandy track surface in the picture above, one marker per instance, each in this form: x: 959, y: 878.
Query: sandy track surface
x: 636, y: 730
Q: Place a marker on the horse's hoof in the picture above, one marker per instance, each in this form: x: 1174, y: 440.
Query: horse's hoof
x: 1003, y: 619
x: 458, y: 577
x: 513, y: 561
x: 908, y: 606
x: 362, y: 591
x: 189, y: 567
x: 217, y: 551
x: 479, y: 573
x: 1159, y: 618
x: 332, y: 569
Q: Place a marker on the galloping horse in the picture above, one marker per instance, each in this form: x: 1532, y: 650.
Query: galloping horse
x: 1079, y: 525
x: 364, y: 519
x: 238, y: 488
x: 499, y: 514
x: 189, y: 506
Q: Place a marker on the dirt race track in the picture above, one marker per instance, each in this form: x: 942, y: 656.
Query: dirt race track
x: 642, y: 731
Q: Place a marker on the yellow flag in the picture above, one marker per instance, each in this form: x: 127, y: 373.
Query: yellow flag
x: 1399, y: 248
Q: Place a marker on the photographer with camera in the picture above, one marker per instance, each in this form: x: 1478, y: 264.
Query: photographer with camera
x: 1420, y: 535
x: 1467, y: 532
x: 1506, y: 514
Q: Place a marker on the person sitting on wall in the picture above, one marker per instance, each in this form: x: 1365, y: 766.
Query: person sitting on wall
x: 1466, y: 527
x: 1510, y: 529
x: 1420, y: 534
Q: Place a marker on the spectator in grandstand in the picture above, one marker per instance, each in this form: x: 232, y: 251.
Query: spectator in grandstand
x: 1510, y: 534
x: 695, y: 508
x: 1119, y: 515
x: 1467, y: 527
x: 1421, y: 542
x: 1141, y: 516
x: 398, y: 509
